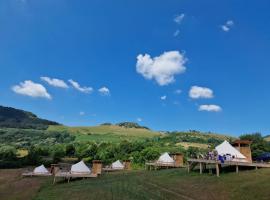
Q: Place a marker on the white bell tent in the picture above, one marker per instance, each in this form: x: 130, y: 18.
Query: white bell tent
x: 226, y: 148
x: 166, y: 158
x: 80, y: 168
x: 41, y: 170
x: 117, y: 165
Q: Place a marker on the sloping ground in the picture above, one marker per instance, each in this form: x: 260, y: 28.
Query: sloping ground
x: 14, y: 187
x: 267, y: 138
x: 165, y: 184
x: 192, y: 144
x: 105, y: 133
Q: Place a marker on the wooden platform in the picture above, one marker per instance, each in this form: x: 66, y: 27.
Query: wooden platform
x: 31, y: 174
x: 108, y: 169
x: 159, y: 165
x: 68, y: 175
x: 192, y: 163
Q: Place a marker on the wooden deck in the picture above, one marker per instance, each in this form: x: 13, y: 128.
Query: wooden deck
x: 192, y: 163
x: 68, y: 175
x: 108, y: 169
x: 31, y: 174
x: 159, y: 165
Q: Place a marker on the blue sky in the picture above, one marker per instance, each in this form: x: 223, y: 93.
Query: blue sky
x: 123, y: 60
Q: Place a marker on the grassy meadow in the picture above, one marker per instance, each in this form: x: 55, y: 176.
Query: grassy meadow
x: 105, y: 133
x: 137, y: 185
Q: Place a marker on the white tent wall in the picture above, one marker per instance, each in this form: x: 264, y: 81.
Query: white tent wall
x: 226, y: 148
x: 117, y: 165
x: 80, y: 168
x: 165, y: 158
x: 41, y: 170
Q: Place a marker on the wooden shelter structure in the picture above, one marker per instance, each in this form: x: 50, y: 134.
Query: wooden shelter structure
x: 127, y: 164
x: 177, y: 160
x: 97, y: 167
x: 216, y: 164
x: 239, y: 147
x: 243, y: 146
x: 78, y: 170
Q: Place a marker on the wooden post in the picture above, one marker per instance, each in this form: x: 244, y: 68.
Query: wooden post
x: 201, y: 168
x: 188, y: 167
x: 237, y: 169
x: 217, y: 169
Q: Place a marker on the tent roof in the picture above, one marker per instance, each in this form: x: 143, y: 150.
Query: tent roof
x: 41, y: 170
x: 226, y: 148
x: 80, y: 167
x: 165, y: 158
x: 117, y: 165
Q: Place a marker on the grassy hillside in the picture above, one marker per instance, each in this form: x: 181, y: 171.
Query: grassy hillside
x: 111, y: 133
x: 137, y: 185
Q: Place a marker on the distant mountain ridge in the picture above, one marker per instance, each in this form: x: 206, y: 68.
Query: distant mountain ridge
x: 16, y: 118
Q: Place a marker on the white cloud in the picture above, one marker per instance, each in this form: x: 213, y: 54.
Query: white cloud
x: 29, y: 88
x: 54, y: 82
x: 178, y: 91
x: 176, y: 33
x: 227, y: 26
x: 81, y: 113
x: 179, y: 18
x: 163, y: 97
x: 104, y: 91
x: 77, y: 86
x: 162, y: 68
x: 210, y: 108
x: 197, y: 92
x: 139, y: 119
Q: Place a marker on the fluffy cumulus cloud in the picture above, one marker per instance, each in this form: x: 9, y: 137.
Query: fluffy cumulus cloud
x: 162, y: 68
x: 163, y: 97
x: 54, y: 82
x: 179, y: 18
x: 104, y: 91
x: 77, y: 86
x: 210, y: 108
x: 227, y: 26
x: 197, y: 92
x: 29, y: 88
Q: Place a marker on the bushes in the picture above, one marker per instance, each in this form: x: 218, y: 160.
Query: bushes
x: 259, y: 145
x: 7, y: 153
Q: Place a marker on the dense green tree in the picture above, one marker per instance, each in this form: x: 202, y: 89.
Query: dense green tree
x: 259, y: 145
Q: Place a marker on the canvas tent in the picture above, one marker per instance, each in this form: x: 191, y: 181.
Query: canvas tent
x: 80, y: 168
x: 226, y: 148
x: 117, y: 165
x: 165, y: 158
x: 41, y: 170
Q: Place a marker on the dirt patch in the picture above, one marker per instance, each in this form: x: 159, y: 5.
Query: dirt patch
x: 14, y: 186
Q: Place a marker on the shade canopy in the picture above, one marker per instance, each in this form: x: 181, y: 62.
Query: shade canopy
x: 117, y: 165
x: 165, y: 158
x: 41, y: 170
x: 80, y: 168
x: 226, y: 148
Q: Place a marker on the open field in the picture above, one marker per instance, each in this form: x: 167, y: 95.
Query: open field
x: 165, y: 184
x: 105, y: 133
x: 192, y: 144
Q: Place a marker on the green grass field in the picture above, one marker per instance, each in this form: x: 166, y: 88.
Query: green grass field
x: 137, y: 185
x: 106, y: 133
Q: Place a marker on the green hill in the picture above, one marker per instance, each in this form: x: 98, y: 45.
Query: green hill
x: 112, y: 133
x: 15, y: 118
